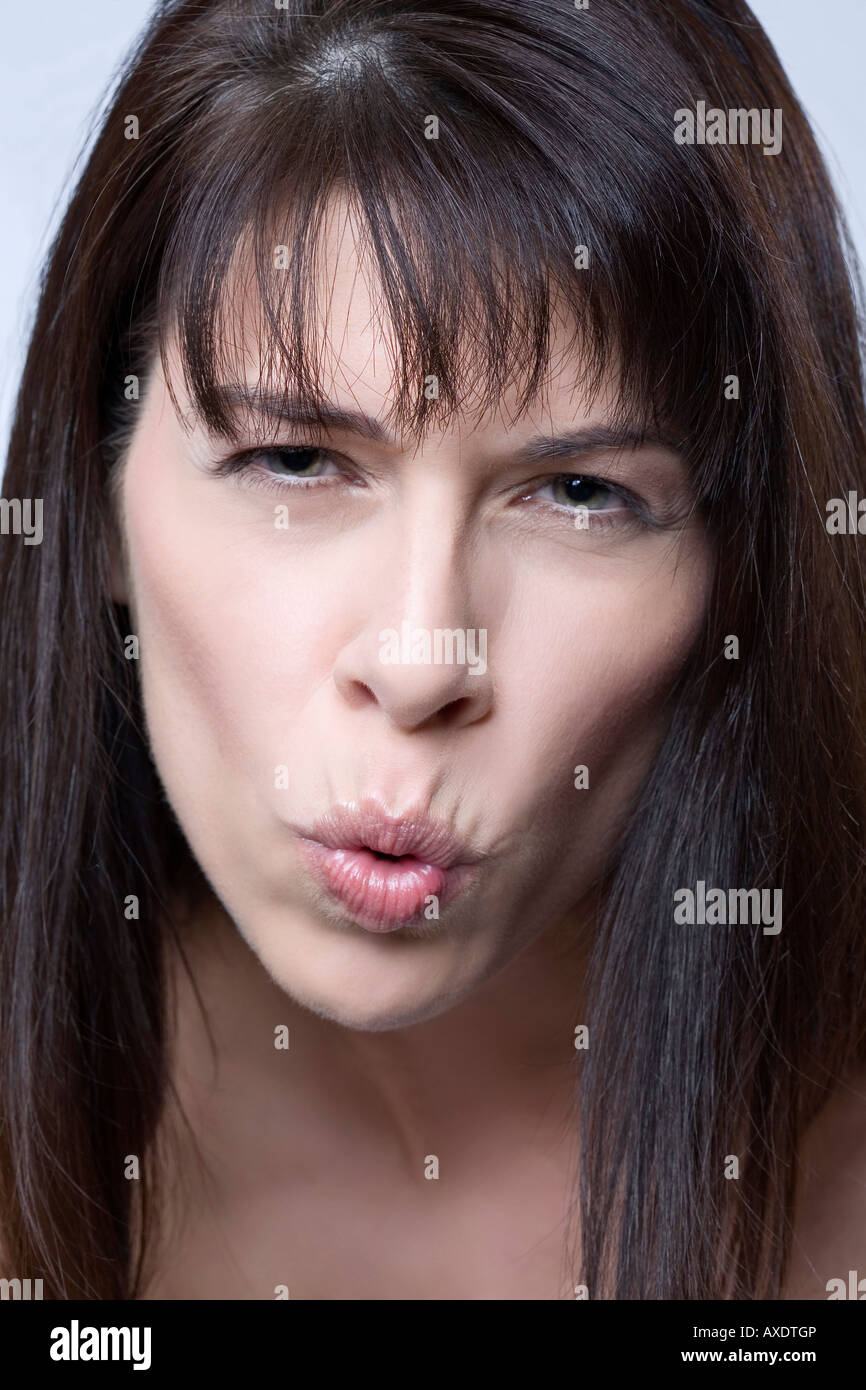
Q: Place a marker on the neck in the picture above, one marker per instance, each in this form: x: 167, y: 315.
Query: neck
x: 507, y: 1052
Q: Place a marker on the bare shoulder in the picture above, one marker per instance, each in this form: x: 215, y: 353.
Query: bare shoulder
x: 828, y: 1258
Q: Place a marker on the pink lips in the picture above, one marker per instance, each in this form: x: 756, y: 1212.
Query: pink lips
x: 428, y: 866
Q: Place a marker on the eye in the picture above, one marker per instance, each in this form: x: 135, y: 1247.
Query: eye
x: 294, y: 463
x: 590, y: 503
x: 576, y: 490
x: 283, y: 467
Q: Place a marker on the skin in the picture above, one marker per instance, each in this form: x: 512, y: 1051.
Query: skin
x: 260, y: 647
x: 830, y: 1212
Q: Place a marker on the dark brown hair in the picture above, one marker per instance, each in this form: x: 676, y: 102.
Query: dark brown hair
x: 556, y: 130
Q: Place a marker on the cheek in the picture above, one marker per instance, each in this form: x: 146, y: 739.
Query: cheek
x: 211, y: 613
x: 238, y: 631
x: 593, y: 659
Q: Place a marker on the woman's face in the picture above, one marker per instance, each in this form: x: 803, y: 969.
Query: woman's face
x: 287, y: 619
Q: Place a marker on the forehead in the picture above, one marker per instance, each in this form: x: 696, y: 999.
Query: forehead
x: 351, y: 338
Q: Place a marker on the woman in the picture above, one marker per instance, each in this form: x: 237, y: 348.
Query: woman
x: 433, y: 719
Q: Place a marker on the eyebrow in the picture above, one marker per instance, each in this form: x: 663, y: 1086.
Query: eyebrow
x: 541, y: 448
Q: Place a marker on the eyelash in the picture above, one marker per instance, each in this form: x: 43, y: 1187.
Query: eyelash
x: 243, y: 465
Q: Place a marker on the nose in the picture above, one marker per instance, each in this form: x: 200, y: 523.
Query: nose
x: 422, y: 653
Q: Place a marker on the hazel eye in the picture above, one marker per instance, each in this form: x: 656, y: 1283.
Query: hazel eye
x: 285, y: 466
x: 590, y: 504
x: 572, y: 489
x: 297, y: 461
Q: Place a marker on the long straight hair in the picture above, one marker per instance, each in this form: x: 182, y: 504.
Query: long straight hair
x: 498, y: 154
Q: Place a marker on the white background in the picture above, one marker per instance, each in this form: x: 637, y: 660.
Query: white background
x: 58, y: 60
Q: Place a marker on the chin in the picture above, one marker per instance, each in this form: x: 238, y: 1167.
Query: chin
x: 374, y: 1012
x: 375, y: 1020
x: 360, y: 980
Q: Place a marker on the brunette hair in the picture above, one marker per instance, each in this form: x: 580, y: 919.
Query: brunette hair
x: 703, y: 262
